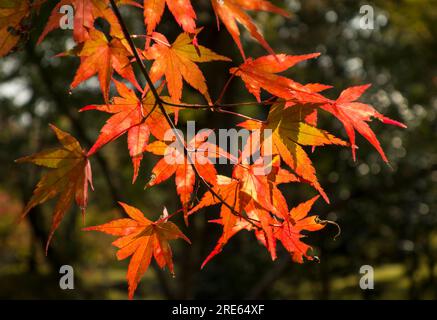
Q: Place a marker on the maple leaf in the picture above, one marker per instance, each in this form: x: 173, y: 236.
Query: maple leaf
x: 228, y: 189
x: 137, y: 117
x: 232, y: 225
x: 69, y: 178
x: 142, y: 239
x: 103, y: 57
x: 355, y: 115
x: 232, y: 11
x: 268, y: 219
x: 252, y: 193
x: 290, y: 133
x: 177, y: 61
x: 261, y: 73
x: 85, y: 13
x: 248, y: 183
x: 12, y: 13
x: 181, y: 10
x: 175, y: 162
x: 289, y: 233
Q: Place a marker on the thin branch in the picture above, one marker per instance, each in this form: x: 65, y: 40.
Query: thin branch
x: 160, y: 103
x: 218, y: 105
x: 225, y: 88
x: 135, y: 36
x: 240, y: 115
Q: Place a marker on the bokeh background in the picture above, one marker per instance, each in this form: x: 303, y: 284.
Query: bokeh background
x: 388, y: 214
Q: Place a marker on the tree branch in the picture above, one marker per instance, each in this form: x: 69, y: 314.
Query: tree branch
x: 161, y: 107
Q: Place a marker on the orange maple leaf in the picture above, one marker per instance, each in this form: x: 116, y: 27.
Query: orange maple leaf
x: 175, y: 162
x: 137, y: 117
x: 100, y: 56
x: 177, y: 61
x: 290, y: 133
x: 181, y: 10
x: 289, y: 233
x: 232, y: 11
x: 247, y: 184
x: 142, y: 239
x: 240, y: 196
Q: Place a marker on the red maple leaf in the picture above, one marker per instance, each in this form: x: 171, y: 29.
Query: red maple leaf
x: 261, y: 73
x: 355, y: 115
x: 137, y: 117
x: 85, y: 13
x: 232, y: 12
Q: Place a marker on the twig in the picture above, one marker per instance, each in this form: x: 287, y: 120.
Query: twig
x: 240, y: 115
x: 218, y: 105
x: 225, y: 88
x: 160, y: 103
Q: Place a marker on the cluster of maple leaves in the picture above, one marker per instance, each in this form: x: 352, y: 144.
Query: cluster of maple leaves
x: 249, y: 200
